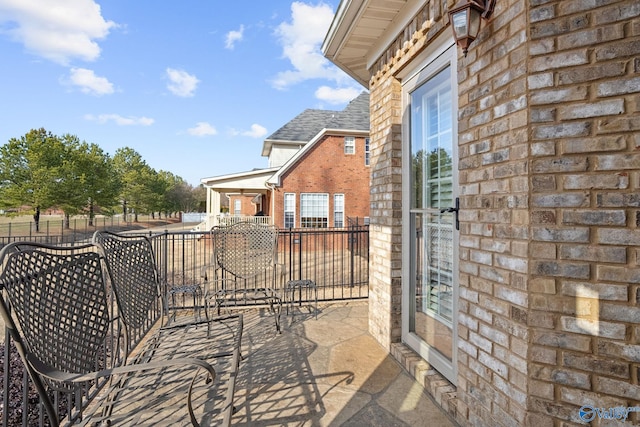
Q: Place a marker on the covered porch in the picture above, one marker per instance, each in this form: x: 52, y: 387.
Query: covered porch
x: 252, y: 183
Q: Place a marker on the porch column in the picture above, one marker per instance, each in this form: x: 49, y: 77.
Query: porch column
x: 213, y: 207
x: 385, y: 231
x: 214, y: 211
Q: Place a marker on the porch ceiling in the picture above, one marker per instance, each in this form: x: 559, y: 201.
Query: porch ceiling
x: 358, y: 32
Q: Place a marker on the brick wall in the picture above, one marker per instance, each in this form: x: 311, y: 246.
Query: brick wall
x: 325, y: 168
x: 549, y: 118
x: 494, y: 234
x: 385, y: 230
x: 584, y: 93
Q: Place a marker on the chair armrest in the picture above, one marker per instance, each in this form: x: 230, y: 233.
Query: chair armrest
x: 208, y: 275
x: 61, y: 376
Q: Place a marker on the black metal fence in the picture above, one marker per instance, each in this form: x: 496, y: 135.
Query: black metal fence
x: 57, y: 232
x: 336, y: 259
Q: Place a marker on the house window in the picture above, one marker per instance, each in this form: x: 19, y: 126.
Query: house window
x: 338, y: 210
x: 289, y: 210
x: 237, y: 206
x: 367, y: 152
x: 314, y: 210
x: 349, y: 145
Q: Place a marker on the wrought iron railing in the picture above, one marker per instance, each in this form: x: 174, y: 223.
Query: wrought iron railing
x: 336, y: 259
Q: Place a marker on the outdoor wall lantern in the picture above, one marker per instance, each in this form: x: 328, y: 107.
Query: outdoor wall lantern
x: 465, y: 20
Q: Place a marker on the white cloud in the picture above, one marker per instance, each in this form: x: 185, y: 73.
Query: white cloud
x: 256, y: 131
x: 337, y: 95
x: 58, y: 30
x: 120, y: 120
x: 202, y: 129
x: 90, y: 83
x: 181, y: 83
x: 233, y: 37
x: 301, y: 41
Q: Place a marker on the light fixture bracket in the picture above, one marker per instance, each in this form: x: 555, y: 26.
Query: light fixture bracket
x: 488, y: 8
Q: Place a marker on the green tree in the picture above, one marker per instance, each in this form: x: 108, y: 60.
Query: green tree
x: 429, y: 178
x: 419, y: 159
x: 43, y: 170
x: 67, y: 193
x: 155, y: 199
x: 136, y: 190
x: 180, y: 195
x: 30, y: 170
x: 90, y: 179
x: 200, y: 195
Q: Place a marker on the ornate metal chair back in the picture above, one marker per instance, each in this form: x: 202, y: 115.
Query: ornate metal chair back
x: 133, y: 272
x: 59, y: 298
x: 246, y: 249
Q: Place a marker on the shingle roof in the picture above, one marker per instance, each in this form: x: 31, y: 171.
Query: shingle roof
x: 310, y: 122
x: 355, y: 116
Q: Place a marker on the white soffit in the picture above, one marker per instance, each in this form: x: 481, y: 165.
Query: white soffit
x: 363, y: 29
x: 252, y: 180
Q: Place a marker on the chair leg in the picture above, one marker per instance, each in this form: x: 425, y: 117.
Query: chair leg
x: 316, y: 292
x: 276, y: 311
x: 278, y: 324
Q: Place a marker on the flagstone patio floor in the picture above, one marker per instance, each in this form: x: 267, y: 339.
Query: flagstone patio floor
x: 325, y: 372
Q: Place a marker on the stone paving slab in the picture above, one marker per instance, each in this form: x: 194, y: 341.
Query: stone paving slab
x: 325, y: 372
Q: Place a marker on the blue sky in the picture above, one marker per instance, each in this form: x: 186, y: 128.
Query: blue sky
x: 194, y: 86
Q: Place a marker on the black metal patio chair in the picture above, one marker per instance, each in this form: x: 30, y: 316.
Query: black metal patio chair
x: 132, y: 260
x: 134, y: 275
x: 245, y: 269
x: 57, y: 304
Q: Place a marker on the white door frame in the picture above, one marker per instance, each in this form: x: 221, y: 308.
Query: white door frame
x: 442, y: 52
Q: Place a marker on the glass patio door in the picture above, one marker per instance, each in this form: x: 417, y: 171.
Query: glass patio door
x: 432, y: 235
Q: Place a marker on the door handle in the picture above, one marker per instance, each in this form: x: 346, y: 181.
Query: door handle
x: 455, y: 211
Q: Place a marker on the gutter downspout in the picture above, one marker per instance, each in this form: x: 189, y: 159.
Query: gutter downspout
x: 272, y: 188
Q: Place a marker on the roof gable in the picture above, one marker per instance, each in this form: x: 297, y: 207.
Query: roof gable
x: 251, y: 180
x: 276, y: 178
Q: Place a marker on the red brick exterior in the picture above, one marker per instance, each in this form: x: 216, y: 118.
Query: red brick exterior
x: 325, y: 168
x: 247, y: 207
